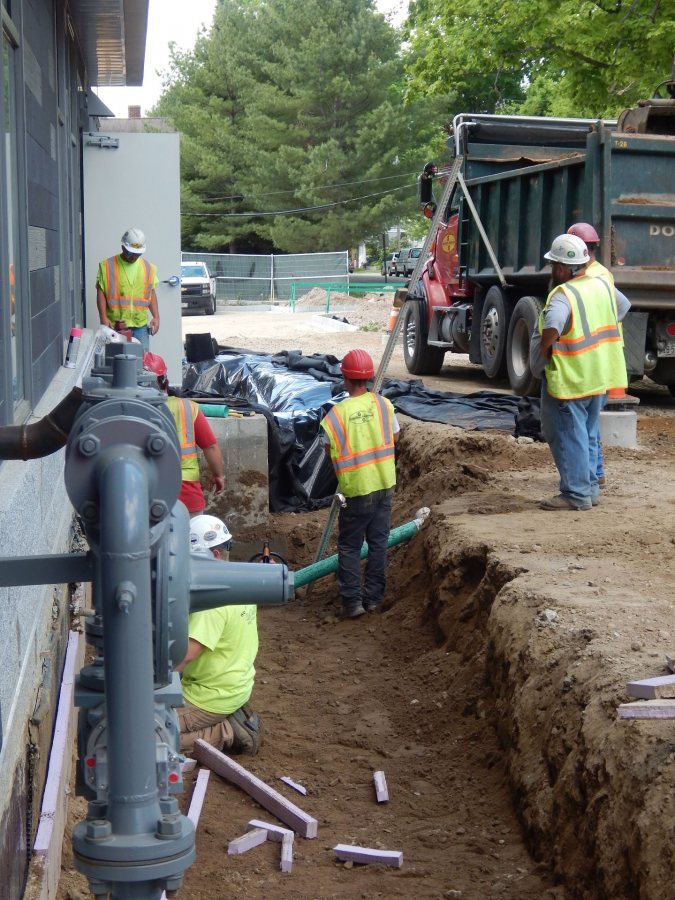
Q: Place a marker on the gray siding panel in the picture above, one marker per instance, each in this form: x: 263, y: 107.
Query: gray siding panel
x: 43, y: 207
x: 41, y: 167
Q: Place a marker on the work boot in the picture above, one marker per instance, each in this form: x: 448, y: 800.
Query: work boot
x: 370, y: 605
x: 602, y: 481
x: 353, y: 611
x: 560, y: 502
x: 247, y: 729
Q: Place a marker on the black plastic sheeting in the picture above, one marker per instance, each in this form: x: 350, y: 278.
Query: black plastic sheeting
x: 294, y: 391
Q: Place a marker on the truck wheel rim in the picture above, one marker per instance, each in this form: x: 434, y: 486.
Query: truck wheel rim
x: 491, y: 331
x: 410, y: 335
x: 520, y: 351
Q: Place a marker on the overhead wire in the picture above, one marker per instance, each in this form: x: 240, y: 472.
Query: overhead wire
x: 290, y: 212
x: 292, y: 191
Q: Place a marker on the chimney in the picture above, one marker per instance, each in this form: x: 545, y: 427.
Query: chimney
x: 134, y: 112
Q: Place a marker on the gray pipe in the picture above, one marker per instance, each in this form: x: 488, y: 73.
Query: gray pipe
x: 133, y: 803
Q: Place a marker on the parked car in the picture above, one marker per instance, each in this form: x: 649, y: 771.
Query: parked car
x: 407, y: 260
x: 197, y: 289
x: 389, y: 264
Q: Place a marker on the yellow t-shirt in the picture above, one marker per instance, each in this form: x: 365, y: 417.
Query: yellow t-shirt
x: 220, y: 679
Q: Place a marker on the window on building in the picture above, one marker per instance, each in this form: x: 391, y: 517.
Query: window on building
x: 12, y: 311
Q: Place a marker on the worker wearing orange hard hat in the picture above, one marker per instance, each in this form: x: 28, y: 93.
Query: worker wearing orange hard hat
x: 360, y: 434
x: 194, y: 433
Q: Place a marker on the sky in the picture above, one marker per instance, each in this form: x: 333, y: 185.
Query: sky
x: 180, y: 21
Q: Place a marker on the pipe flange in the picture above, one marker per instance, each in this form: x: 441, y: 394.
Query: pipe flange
x: 132, y: 428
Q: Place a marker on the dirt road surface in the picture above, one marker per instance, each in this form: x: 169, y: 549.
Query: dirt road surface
x: 486, y: 689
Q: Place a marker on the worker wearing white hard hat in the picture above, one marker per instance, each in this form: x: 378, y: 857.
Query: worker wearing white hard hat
x: 125, y: 290
x: 218, y: 671
x: 595, y: 269
x: 577, y: 350
x: 210, y: 533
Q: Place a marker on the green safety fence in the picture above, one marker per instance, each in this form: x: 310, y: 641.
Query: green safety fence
x: 345, y: 287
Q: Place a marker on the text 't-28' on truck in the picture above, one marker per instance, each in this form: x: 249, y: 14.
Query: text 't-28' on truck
x: 518, y: 183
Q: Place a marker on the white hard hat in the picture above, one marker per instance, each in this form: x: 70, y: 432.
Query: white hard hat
x: 207, y: 532
x: 133, y: 241
x: 569, y: 250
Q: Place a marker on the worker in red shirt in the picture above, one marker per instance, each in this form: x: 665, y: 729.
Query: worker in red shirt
x: 194, y: 432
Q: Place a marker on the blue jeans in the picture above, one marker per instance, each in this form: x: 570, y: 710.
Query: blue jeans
x: 143, y: 335
x: 600, y: 470
x: 570, y: 428
x: 369, y: 518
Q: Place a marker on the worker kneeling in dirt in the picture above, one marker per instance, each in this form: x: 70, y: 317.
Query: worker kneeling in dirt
x: 361, y: 432
x: 218, y: 671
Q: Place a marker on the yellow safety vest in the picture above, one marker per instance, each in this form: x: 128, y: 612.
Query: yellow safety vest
x: 361, y: 436
x: 588, y: 359
x: 128, y: 298
x: 596, y: 269
x: 184, y: 413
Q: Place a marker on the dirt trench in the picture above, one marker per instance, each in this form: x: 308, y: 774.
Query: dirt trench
x: 485, y: 690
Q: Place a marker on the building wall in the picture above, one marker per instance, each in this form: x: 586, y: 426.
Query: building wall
x: 41, y: 239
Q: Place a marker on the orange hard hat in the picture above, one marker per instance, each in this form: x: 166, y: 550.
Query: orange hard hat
x: 153, y: 362
x: 586, y: 232
x: 358, y: 365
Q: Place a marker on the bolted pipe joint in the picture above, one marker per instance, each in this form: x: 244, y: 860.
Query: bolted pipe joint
x: 89, y: 445
x: 158, y: 510
x: 156, y: 444
x: 169, y: 827
x: 98, y: 830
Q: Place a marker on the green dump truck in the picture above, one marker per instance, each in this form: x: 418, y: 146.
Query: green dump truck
x: 518, y: 182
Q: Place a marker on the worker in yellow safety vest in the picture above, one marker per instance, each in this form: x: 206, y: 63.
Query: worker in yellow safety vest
x: 595, y: 269
x: 194, y: 434
x: 577, y: 350
x: 360, y: 434
x: 125, y: 290
x: 218, y: 671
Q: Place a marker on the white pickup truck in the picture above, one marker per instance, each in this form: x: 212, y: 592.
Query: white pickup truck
x: 197, y: 288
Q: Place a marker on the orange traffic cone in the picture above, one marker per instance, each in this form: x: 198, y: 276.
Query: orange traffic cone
x: 392, y: 319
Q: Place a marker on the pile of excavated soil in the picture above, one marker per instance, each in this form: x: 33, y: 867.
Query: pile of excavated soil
x: 486, y: 688
x: 370, y: 311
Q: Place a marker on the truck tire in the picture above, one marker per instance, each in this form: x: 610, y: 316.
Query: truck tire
x: 211, y: 308
x: 521, y: 326
x: 420, y: 359
x: 494, y: 327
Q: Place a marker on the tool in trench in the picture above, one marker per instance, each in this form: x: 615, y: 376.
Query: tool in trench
x: 267, y: 556
x: 417, y: 271
x: 338, y: 501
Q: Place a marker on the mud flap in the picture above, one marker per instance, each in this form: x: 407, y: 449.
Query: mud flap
x: 635, y: 341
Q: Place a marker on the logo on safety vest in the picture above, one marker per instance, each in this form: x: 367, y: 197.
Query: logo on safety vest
x: 361, y: 417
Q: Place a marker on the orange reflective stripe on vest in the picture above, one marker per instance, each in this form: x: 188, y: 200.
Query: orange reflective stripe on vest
x: 184, y: 413
x: 590, y: 337
x: 113, y: 297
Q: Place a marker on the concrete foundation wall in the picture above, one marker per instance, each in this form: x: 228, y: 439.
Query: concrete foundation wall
x: 35, y: 518
x: 245, y: 501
